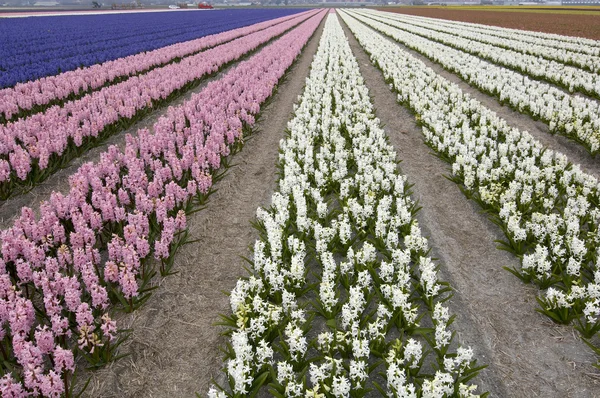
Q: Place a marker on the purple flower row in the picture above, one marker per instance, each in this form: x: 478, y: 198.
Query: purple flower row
x: 132, y: 204
x: 31, y: 48
x: 27, y: 145
x: 25, y: 96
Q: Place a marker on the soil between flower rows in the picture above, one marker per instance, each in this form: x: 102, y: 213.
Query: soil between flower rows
x: 10, y: 209
x: 562, y: 24
x: 527, y: 355
x: 174, y: 348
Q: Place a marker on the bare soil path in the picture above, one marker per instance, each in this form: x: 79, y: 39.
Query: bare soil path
x: 574, y: 151
x: 528, y: 356
x: 175, y: 345
x: 59, y: 181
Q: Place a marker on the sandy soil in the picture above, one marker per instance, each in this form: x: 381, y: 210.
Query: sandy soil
x: 564, y: 24
x: 10, y: 208
x: 174, y: 348
x: 175, y: 345
x: 527, y: 355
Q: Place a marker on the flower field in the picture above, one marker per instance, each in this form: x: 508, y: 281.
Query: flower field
x: 298, y: 203
x: 71, y: 43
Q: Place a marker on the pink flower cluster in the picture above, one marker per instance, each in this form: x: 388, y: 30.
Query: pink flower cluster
x: 25, y: 96
x: 134, y: 194
x: 36, y: 138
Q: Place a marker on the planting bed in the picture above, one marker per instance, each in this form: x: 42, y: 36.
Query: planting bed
x: 562, y: 24
x: 308, y: 203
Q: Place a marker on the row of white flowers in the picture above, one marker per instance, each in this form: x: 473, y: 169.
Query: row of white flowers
x: 570, y: 115
x: 571, y: 78
x: 342, y: 297
x: 547, y: 207
x: 584, y: 57
x: 573, y: 43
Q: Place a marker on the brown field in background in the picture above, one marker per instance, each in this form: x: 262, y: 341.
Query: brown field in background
x: 564, y: 24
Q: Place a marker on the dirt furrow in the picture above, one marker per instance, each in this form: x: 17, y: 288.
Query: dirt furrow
x: 574, y: 151
x: 59, y: 181
x: 527, y: 355
x: 174, y: 345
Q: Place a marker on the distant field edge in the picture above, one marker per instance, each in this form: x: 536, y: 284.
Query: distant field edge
x: 584, y: 23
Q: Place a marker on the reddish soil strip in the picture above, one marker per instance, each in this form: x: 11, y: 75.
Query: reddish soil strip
x: 564, y: 24
x: 542, y: 9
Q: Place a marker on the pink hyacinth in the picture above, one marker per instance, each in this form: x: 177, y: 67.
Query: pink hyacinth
x: 50, y: 132
x: 44, y: 339
x: 63, y: 360
x: 59, y: 252
x: 9, y: 388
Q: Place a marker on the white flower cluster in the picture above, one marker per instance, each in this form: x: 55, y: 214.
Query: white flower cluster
x: 549, y: 208
x: 578, y: 55
x: 569, y: 43
x: 339, y: 231
x: 570, y: 115
x: 572, y: 78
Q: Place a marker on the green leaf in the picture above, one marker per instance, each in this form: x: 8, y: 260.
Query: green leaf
x: 258, y: 382
x: 276, y: 393
x: 380, y: 389
x: 85, y: 386
x: 524, y: 277
x: 331, y: 323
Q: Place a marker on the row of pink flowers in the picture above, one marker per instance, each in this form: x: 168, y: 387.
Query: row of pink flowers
x: 138, y: 195
x: 29, y: 143
x: 25, y: 96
